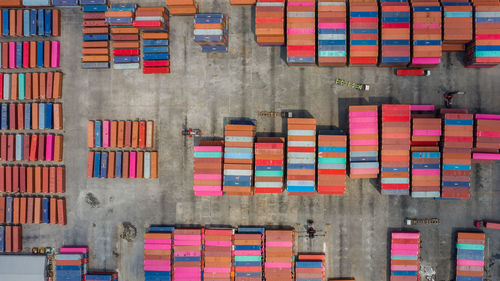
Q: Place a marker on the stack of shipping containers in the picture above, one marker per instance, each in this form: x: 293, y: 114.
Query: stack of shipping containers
x: 30, y: 115
x: 396, y: 129
x: 270, y: 22
x: 33, y: 210
x: 72, y: 263
x: 279, y: 255
x: 154, y: 23
x: 32, y: 147
x: 158, y: 254
x: 107, y: 162
x: 187, y: 254
x: 483, y: 51
x: 487, y: 134
x: 122, y: 164
x: 301, y: 156
x: 42, y: 86
x: 124, y: 37
x: 11, y: 239
x: 426, y: 158
x: 211, y: 31
x: 182, y: 7
x: 363, y: 35
x: 301, y: 32
x: 95, y: 35
x: 457, y: 148
x: 156, y: 62
x: 33, y: 54
x: 470, y: 256
x: 426, y: 39
x: 269, y: 169
x: 332, y: 33
x: 34, y: 22
x: 208, y: 168
x: 395, y: 24
x: 457, y: 25
x: 310, y: 267
x: 363, y: 141
x: 331, y: 162
x: 247, y: 251
x: 405, y: 256
x: 238, y: 157
x: 217, y: 256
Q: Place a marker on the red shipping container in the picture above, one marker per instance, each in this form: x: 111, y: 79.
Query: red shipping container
x: 60, y: 182
x: 52, y: 179
x: 61, y: 211
x: 15, y: 178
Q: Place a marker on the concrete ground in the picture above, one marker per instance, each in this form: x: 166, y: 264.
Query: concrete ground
x: 201, y: 91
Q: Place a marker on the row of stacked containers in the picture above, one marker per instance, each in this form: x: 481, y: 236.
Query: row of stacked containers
x: 238, y: 157
x: 396, y: 127
x: 484, y: 50
x: 412, y: 33
x: 363, y: 39
x: 363, y: 141
x: 269, y: 166
x: 301, y: 156
x: 95, y: 45
x: 441, y: 158
x: 301, y: 32
x: 470, y: 256
x: 427, y: 33
x: 457, y: 160
x: 245, y: 254
x: 405, y: 256
x: 270, y: 22
x: 124, y: 37
x: 426, y: 158
x: 332, y: 33
x: 395, y: 33
x: 332, y: 153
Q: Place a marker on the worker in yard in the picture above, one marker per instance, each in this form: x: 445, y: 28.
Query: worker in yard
x: 448, y: 98
x: 311, y: 231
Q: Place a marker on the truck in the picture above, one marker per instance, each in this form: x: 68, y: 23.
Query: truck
x: 487, y: 224
x: 413, y: 72
x: 409, y: 221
